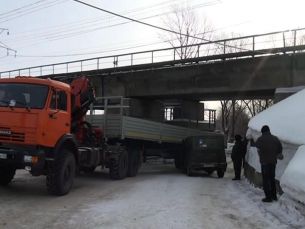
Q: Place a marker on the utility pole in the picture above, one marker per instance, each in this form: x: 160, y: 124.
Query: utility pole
x: 4, y: 46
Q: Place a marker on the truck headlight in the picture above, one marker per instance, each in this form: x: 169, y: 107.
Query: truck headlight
x: 30, y: 159
x: 27, y: 159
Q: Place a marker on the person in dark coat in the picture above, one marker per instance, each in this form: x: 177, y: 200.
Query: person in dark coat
x: 269, y: 149
x: 238, y: 152
x: 245, y: 145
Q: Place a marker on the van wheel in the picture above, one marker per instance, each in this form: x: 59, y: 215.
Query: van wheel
x: 6, y: 175
x: 220, y: 173
x: 61, y: 174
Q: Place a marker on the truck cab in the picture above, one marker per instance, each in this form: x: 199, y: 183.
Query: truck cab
x: 43, y: 129
x: 35, y: 117
x: 33, y: 111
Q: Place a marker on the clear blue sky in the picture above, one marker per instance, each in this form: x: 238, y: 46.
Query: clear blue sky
x: 64, y: 27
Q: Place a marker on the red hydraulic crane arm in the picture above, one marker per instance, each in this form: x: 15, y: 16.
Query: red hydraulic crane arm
x: 83, y: 95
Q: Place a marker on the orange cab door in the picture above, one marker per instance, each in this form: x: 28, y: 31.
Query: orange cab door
x: 59, y: 117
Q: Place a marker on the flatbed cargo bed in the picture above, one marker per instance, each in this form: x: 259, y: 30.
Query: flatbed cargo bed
x: 116, y: 124
x: 125, y: 127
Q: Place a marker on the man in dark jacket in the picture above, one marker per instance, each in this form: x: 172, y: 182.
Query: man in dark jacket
x: 238, y: 153
x: 269, y: 149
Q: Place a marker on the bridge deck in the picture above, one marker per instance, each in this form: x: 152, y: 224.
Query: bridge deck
x: 275, y: 43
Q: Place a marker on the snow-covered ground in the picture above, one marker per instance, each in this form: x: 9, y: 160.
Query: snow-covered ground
x: 159, y: 197
x: 286, y: 120
x: 293, y: 178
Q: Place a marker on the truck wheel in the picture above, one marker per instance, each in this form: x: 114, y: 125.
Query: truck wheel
x: 118, y: 166
x: 133, y: 163
x: 6, y: 175
x: 178, y: 160
x: 209, y: 171
x: 189, y: 171
x: 88, y: 169
x: 220, y: 173
x: 61, y: 174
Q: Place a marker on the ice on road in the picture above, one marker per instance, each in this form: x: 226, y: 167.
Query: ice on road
x: 159, y: 197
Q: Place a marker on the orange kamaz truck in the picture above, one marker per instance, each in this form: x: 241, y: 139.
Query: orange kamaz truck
x: 56, y: 129
x: 43, y: 130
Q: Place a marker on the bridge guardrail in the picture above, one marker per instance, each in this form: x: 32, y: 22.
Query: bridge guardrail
x: 249, y: 46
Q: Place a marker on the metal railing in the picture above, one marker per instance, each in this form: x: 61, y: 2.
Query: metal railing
x: 281, y: 42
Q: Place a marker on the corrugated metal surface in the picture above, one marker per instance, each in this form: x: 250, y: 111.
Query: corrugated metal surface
x: 136, y: 128
x: 112, y: 126
x: 141, y: 129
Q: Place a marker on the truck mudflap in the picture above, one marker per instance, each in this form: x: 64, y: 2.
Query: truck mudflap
x: 33, y: 160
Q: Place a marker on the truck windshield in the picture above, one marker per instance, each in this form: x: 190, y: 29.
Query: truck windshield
x: 23, y: 95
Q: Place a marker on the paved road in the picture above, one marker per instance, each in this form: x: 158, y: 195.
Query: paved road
x: 159, y: 197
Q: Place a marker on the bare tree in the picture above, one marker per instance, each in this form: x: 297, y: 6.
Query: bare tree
x: 226, y: 107
x: 184, y: 21
x: 231, y: 46
x: 256, y: 106
x: 233, y: 118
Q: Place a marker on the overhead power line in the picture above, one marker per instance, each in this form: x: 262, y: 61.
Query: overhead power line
x: 157, y: 27
x: 90, y: 53
x: 141, y: 22
x: 20, y: 8
x: 28, y: 9
x: 82, y: 22
x: 4, y: 29
x: 80, y: 29
x: 2, y: 45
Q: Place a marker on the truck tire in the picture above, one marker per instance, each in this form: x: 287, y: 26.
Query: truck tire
x: 189, y: 171
x: 6, y: 175
x: 88, y: 169
x: 118, y: 166
x: 220, y: 173
x: 178, y: 160
x: 209, y: 171
x: 61, y: 174
x: 134, y: 162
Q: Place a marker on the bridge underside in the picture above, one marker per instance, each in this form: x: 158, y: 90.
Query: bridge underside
x: 243, y: 78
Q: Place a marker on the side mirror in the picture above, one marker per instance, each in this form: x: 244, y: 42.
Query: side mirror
x: 53, y: 113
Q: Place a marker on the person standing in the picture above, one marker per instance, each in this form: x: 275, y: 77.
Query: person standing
x: 269, y: 149
x: 245, y: 145
x: 237, y: 156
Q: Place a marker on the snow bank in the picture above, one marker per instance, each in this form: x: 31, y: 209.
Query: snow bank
x: 288, y: 151
x: 293, y: 179
x: 286, y: 119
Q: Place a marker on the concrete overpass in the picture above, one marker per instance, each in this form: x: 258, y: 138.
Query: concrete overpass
x: 240, y: 79
x: 240, y: 68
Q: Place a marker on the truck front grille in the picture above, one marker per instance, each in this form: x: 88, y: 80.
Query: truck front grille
x: 13, y: 136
